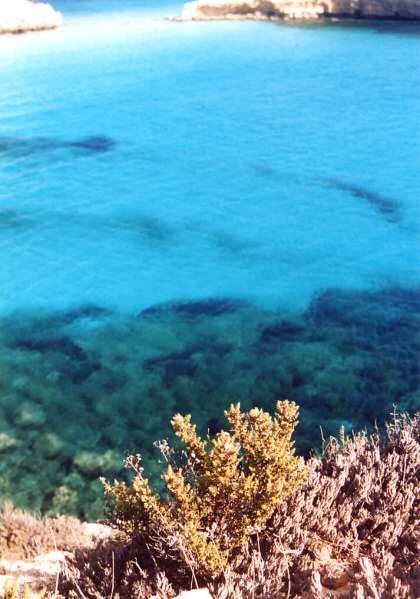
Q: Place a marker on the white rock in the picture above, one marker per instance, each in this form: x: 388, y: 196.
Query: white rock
x: 197, y: 594
x: 299, y: 9
x: 22, y: 15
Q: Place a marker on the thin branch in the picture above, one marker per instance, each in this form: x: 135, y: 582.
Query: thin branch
x: 58, y: 564
x: 113, y: 575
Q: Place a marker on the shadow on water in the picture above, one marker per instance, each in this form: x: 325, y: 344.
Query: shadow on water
x: 15, y: 147
x: 405, y: 27
x: 411, y: 28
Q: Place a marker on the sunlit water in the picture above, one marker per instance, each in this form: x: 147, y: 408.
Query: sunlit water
x: 255, y: 160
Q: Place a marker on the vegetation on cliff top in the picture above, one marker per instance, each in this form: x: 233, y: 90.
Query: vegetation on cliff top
x: 217, y: 492
x: 353, y: 522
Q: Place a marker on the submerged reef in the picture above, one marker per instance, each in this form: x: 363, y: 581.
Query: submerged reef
x: 203, y: 10
x: 17, y: 16
x: 17, y: 147
x: 79, y: 387
x: 388, y: 208
x: 383, y: 205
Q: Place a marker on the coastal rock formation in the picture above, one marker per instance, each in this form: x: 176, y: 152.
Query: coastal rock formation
x: 22, y: 15
x: 298, y: 9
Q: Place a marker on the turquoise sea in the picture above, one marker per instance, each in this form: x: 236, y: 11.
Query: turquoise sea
x: 198, y: 213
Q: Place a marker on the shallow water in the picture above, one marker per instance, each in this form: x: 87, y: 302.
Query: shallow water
x: 268, y: 170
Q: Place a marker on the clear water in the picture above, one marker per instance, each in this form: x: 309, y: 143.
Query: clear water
x: 145, y: 161
x: 255, y: 160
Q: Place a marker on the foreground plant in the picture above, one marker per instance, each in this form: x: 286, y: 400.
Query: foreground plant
x: 217, y: 492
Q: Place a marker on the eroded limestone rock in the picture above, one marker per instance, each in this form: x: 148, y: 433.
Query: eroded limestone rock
x: 18, y: 16
x: 298, y: 9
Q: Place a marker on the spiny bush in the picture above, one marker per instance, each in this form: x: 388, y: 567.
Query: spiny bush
x: 217, y: 492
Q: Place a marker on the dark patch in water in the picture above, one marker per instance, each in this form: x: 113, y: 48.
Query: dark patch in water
x: 388, y: 208
x: 95, y: 145
x: 263, y: 171
x: 196, y: 309
x: 154, y: 229
x: 19, y: 147
x: 232, y: 245
x: 214, y: 426
x: 397, y: 27
x: 62, y: 345
x: 203, y: 354
x: 112, y: 380
x: 176, y: 364
x: 340, y: 307
x: 383, y: 327
x: 79, y: 373
x: 209, y: 307
x: 10, y: 219
x: 285, y: 330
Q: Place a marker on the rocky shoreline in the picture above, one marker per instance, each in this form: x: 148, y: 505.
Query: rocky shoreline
x: 205, y: 10
x: 21, y: 15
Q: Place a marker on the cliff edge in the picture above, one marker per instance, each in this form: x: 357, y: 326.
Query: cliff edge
x: 17, y: 16
x: 202, y: 10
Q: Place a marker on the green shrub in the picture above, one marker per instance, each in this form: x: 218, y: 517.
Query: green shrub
x: 217, y: 492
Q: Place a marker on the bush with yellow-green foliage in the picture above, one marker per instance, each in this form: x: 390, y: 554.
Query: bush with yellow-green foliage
x: 217, y: 492
x: 12, y: 592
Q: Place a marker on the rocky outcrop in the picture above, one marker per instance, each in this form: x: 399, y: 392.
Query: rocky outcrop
x: 17, y: 16
x: 298, y: 9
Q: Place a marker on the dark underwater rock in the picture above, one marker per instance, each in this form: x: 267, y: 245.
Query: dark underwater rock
x: 62, y: 345
x: 346, y: 361
x: 203, y: 354
x: 381, y: 329
x: 283, y: 331
x: 96, y: 144
x: 346, y: 306
x: 385, y: 206
x: 196, y: 308
x: 79, y: 373
x: 153, y: 229
x: 17, y: 146
x: 11, y: 219
x: 112, y: 380
x: 176, y: 364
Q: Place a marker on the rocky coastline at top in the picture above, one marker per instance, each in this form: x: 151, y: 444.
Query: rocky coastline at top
x: 18, y: 16
x: 206, y: 10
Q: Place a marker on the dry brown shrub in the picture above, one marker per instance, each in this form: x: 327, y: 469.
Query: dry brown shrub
x: 23, y: 535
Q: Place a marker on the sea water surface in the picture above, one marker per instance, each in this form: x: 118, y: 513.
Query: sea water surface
x: 145, y: 161
x: 254, y: 160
